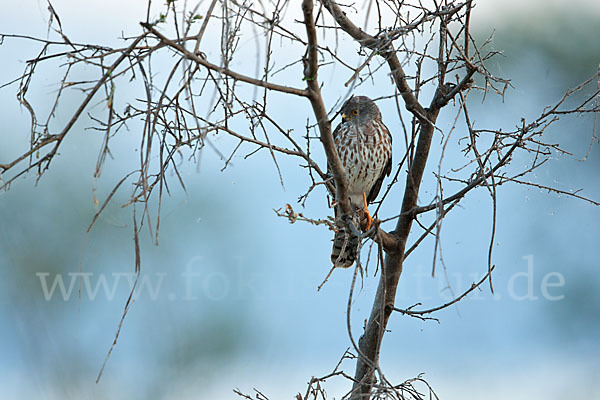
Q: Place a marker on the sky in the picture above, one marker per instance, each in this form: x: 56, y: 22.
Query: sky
x: 230, y: 297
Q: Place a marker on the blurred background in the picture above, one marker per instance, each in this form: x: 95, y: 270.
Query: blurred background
x: 228, y: 299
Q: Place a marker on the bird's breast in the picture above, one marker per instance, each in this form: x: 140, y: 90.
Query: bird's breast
x: 362, y: 150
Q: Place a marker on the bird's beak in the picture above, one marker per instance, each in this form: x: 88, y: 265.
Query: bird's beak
x: 344, y: 117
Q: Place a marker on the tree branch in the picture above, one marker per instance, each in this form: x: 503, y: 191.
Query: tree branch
x: 386, y: 49
x: 409, y: 311
x: 311, y: 66
x: 225, y: 71
x: 370, y: 342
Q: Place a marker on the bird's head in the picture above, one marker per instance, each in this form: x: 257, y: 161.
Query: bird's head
x: 360, y: 109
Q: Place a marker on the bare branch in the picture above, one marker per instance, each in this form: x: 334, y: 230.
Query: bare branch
x: 237, y: 76
x: 314, y: 94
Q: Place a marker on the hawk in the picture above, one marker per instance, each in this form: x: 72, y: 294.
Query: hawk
x: 364, y: 145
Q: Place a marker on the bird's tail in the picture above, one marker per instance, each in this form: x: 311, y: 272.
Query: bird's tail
x: 345, y: 248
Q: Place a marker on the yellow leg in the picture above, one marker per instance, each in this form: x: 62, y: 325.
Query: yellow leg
x: 369, y: 219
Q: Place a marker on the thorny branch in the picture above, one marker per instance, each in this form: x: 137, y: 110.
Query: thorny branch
x: 208, y: 97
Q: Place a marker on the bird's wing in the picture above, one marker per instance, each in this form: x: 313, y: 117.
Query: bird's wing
x: 386, y: 171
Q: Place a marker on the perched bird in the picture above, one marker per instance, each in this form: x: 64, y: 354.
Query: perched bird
x: 364, y: 145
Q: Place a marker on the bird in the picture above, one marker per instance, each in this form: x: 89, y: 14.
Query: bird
x: 364, y: 146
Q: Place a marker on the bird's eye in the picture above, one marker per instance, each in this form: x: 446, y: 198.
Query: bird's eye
x: 354, y: 112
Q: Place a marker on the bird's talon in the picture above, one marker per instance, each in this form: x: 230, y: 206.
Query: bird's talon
x: 366, y: 209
